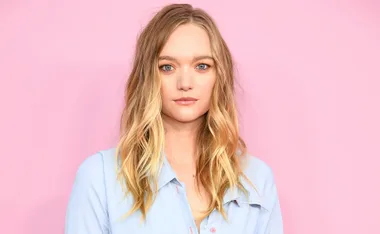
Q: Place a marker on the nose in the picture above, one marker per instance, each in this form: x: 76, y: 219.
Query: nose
x: 185, y: 79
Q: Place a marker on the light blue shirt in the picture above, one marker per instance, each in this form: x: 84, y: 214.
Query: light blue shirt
x: 97, y: 203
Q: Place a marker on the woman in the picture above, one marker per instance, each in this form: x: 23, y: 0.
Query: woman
x: 180, y: 165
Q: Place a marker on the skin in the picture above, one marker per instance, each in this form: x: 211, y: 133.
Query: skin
x: 186, y: 70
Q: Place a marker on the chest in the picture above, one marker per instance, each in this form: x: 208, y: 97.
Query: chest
x: 172, y: 213
x: 194, y: 192
x: 197, y: 198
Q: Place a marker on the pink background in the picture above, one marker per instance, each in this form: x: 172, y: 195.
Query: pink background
x: 310, y: 72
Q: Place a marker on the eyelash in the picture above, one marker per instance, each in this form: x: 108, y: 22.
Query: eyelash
x: 162, y: 66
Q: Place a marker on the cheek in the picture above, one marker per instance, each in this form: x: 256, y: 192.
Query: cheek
x: 167, y: 95
x: 166, y: 90
x: 206, y: 86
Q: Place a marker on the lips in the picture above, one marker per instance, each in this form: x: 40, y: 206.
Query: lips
x: 186, y: 99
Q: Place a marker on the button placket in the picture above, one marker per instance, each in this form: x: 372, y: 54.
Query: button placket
x: 181, y: 192
x: 214, y: 219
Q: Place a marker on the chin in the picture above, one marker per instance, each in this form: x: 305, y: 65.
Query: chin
x: 186, y: 119
x: 186, y: 116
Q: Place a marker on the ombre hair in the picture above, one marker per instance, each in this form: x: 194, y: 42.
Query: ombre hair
x: 141, y: 142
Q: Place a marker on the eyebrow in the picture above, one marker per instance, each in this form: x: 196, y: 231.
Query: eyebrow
x: 196, y: 58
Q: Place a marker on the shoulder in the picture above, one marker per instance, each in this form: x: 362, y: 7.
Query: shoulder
x: 90, y: 168
x: 261, y: 176
x: 88, y: 198
x: 93, y: 168
x: 257, y: 170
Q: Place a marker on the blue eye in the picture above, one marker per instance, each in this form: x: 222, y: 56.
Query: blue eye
x: 203, y: 66
x: 166, y: 67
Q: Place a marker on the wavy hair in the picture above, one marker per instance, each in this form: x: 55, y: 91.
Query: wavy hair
x: 141, y: 130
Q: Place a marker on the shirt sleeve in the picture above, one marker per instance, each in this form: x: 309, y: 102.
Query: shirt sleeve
x: 87, y: 209
x: 274, y: 223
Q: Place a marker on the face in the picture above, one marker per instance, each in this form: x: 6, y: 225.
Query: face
x: 187, y: 74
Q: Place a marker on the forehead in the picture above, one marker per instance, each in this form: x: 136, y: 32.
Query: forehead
x: 187, y: 41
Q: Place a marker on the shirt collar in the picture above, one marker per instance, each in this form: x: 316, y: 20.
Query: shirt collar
x: 234, y: 194
x: 253, y: 197
x: 167, y: 173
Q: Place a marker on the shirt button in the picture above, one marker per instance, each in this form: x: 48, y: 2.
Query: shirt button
x: 213, y: 230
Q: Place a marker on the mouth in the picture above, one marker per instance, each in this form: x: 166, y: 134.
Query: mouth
x: 186, y: 101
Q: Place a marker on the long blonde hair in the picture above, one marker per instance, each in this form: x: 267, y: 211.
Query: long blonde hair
x: 142, y: 132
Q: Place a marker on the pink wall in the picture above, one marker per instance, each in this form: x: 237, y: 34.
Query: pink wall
x: 311, y: 107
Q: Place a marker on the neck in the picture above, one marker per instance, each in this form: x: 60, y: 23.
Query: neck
x: 180, y: 140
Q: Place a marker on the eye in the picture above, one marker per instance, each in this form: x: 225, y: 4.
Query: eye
x: 166, y: 68
x: 202, y: 66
